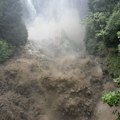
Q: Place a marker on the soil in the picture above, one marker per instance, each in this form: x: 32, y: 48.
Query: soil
x: 65, y: 88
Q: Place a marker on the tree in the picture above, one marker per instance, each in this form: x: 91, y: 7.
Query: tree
x: 12, y: 28
x: 6, y: 51
x: 113, y: 26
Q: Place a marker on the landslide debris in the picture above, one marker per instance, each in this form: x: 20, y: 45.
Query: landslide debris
x: 34, y: 88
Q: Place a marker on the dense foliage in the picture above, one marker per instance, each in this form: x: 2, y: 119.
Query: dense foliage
x: 103, y: 39
x: 103, y: 25
x: 12, y: 28
x: 6, y: 51
x: 103, y: 32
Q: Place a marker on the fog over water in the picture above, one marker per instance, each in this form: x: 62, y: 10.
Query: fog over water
x: 55, y: 27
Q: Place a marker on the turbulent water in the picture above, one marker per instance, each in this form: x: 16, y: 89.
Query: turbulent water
x: 56, y: 27
x: 53, y: 82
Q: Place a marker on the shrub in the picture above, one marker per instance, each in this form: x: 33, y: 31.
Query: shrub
x: 118, y: 34
x: 112, y: 28
x: 113, y: 98
x: 6, y: 51
x: 113, y: 64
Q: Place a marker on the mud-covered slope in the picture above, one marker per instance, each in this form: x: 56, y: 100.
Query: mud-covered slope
x: 35, y: 88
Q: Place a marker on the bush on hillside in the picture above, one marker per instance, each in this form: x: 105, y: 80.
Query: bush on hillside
x: 6, y: 51
x: 113, y: 98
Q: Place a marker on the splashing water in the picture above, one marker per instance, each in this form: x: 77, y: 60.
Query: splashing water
x: 31, y: 8
x: 56, y: 27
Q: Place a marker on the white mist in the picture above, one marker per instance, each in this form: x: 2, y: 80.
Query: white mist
x: 57, y: 29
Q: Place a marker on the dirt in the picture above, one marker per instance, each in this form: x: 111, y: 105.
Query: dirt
x: 104, y: 112
x: 37, y: 88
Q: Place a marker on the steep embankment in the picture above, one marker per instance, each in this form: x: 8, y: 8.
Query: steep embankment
x: 35, y: 88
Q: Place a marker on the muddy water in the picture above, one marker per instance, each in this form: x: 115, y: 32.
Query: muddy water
x: 53, y: 78
x: 104, y: 112
x: 36, y: 88
x: 64, y: 88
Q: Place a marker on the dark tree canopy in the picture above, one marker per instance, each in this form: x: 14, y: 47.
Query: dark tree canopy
x: 103, y: 25
x: 12, y: 28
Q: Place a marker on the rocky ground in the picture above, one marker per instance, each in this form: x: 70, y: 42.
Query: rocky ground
x: 37, y: 88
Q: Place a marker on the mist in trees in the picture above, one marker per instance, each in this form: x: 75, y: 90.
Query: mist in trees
x: 12, y: 28
x: 13, y: 32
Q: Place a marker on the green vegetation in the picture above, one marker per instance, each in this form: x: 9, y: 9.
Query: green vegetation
x: 12, y: 28
x: 6, y: 51
x: 118, y: 34
x: 103, y: 32
x: 103, y: 39
x: 113, y: 98
x: 113, y: 62
x: 103, y: 24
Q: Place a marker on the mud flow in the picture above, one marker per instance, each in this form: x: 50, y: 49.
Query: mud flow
x: 52, y: 78
x: 37, y: 88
